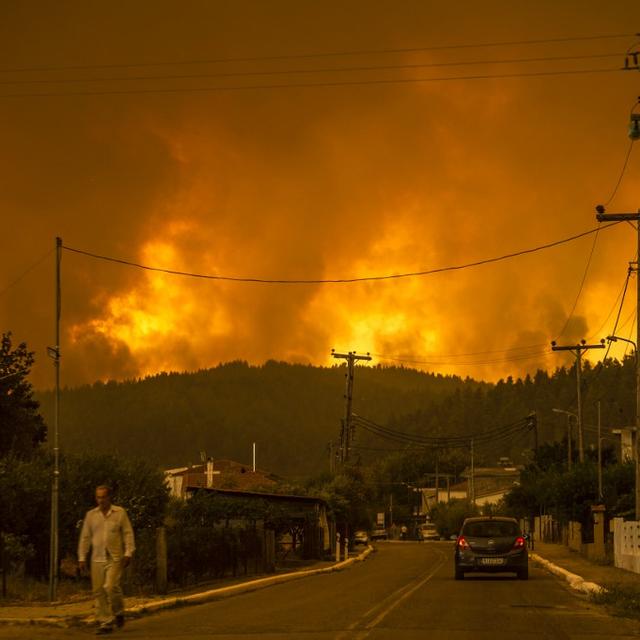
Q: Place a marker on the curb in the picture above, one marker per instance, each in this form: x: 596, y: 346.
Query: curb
x: 196, y: 598
x: 244, y: 587
x: 575, y: 581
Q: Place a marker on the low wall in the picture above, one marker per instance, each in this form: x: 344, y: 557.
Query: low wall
x: 626, y: 544
x: 574, y: 536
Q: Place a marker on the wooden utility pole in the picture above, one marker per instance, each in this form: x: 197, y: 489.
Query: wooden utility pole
x: 347, y: 430
x: 577, y: 352
x: 601, y: 216
x: 54, y: 352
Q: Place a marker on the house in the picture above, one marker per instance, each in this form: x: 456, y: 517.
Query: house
x: 302, y: 528
x: 218, y: 474
x: 488, y: 485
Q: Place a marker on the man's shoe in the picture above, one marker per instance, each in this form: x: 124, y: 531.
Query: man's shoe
x: 120, y: 620
x: 103, y: 629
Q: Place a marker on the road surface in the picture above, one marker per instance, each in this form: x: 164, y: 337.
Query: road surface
x: 404, y: 591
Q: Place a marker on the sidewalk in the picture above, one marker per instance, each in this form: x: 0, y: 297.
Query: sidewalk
x: 582, y: 574
x: 81, y: 612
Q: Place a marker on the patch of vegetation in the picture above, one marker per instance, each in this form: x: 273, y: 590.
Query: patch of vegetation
x: 623, y: 599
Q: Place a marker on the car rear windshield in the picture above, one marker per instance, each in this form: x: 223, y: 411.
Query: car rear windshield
x: 490, y: 529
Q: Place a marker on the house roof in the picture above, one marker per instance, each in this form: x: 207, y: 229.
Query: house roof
x: 227, y: 474
x: 494, y: 472
x: 259, y: 494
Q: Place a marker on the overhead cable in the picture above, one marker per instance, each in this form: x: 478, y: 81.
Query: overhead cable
x: 597, y: 333
x: 443, y: 441
x: 584, y: 277
x: 287, y: 281
x: 307, y: 85
x: 28, y: 270
x: 318, y: 54
x: 622, y: 172
x: 513, y: 358
x: 281, y: 72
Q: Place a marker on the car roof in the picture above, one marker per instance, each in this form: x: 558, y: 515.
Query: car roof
x: 489, y: 519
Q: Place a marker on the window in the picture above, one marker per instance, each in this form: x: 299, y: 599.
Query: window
x: 491, y: 529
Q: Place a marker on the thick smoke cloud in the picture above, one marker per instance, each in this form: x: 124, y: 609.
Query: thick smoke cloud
x: 309, y: 183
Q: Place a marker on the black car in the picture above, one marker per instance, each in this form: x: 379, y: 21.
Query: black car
x: 491, y: 544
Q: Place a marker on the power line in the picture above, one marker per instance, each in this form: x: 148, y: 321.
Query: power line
x: 28, y: 270
x: 613, y: 307
x: 321, y: 54
x: 447, y: 443
x: 307, y: 85
x: 515, y: 358
x: 584, y: 277
x: 443, y: 441
x: 394, y: 276
x: 615, y: 326
x: 239, y: 74
x: 622, y: 172
x: 472, y: 353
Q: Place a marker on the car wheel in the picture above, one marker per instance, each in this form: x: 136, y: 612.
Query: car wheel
x: 459, y: 574
x: 523, y: 574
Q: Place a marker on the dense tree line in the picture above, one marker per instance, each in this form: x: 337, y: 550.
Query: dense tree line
x: 287, y: 409
x: 548, y: 486
x: 21, y: 426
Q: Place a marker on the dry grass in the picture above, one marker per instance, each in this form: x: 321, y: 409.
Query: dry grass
x: 25, y: 590
x: 621, y: 599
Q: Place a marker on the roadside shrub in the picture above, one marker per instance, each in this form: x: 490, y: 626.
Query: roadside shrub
x: 448, y: 517
x: 624, y: 599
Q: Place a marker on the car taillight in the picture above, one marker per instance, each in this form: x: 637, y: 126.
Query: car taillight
x: 462, y: 543
x: 520, y: 543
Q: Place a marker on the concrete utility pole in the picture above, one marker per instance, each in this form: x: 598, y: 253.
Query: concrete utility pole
x: 577, y: 352
x: 599, y: 454
x: 472, y: 478
x: 54, y: 352
x: 332, y: 457
x: 347, y: 431
x: 569, y: 415
x: 601, y: 216
x: 437, y: 478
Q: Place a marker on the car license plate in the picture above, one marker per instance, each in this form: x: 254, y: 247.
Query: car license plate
x: 493, y: 562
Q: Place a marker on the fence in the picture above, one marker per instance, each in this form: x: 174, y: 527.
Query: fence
x: 185, y: 556
x: 626, y: 544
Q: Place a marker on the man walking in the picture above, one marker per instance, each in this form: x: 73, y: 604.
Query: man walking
x: 106, y: 530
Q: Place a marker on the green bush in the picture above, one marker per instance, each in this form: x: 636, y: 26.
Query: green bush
x: 448, y: 517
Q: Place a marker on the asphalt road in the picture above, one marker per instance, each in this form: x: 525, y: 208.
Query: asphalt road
x: 404, y: 591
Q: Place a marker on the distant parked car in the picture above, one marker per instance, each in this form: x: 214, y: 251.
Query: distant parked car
x: 379, y: 534
x: 488, y: 544
x: 360, y: 537
x: 428, y: 531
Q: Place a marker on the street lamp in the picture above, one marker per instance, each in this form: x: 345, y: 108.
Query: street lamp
x: 616, y: 338
x: 569, y: 416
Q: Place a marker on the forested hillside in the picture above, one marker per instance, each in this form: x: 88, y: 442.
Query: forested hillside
x: 293, y: 411
x: 290, y: 411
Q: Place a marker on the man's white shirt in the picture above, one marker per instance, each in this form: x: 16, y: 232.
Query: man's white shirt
x: 109, y: 536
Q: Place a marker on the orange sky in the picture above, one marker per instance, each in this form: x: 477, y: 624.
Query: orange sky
x: 311, y: 182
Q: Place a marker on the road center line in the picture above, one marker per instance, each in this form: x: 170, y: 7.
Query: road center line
x: 397, y: 597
